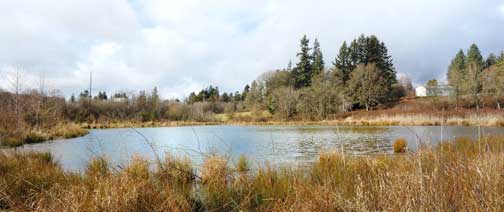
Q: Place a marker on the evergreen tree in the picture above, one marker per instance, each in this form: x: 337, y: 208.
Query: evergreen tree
x: 370, y: 50
x: 459, y: 62
x: 84, y: 95
x: 475, y: 66
x: 155, y: 112
x: 105, y: 97
x: 474, y: 56
x: 72, y: 98
x: 355, y: 52
x: 318, y: 60
x: 289, y: 65
x: 225, y: 97
x: 245, y: 92
x: 456, y: 75
x: 192, y: 98
x: 377, y: 53
x: 141, y: 105
x: 343, y: 63
x: 237, y: 97
x: 491, y: 60
x: 302, y: 72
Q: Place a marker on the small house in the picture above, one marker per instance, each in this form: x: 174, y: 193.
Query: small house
x: 421, y: 91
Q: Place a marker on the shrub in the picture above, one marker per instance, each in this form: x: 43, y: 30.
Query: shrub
x: 400, y: 145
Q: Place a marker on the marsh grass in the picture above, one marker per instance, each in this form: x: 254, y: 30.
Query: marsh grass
x: 37, y: 136
x: 400, y: 145
x: 462, y: 175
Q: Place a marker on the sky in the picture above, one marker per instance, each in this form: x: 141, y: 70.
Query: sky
x: 186, y: 45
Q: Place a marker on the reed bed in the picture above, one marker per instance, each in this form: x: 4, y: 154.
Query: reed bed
x: 37, y: 136
x: 462, y: 175
x: 489, y: 120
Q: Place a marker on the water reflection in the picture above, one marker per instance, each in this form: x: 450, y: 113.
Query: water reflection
x: 279, y: 145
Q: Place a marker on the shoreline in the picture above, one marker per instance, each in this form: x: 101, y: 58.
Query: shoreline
x: 78, y: 130
x: 399, y: 120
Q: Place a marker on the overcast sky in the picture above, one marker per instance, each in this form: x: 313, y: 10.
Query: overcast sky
x: 183, y: 46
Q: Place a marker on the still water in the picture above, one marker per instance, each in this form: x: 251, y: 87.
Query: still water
x: 276, y: 145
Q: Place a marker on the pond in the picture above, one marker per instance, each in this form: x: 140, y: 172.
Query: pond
x: 275, y: 145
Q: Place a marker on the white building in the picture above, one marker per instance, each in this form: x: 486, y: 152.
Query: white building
x: 421, y: 91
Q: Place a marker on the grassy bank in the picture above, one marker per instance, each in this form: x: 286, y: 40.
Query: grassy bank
x: 351, y: 119
x: 37, y: 136
x: 139, y: 124
x: 459, y: 176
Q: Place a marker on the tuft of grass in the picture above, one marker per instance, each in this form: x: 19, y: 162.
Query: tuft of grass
x: 243, y: 164
x: 400, y: 145
x: 177, y: 171
x: 98, y: 167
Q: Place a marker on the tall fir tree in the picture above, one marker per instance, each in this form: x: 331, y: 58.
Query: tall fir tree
x: 459, y: 62
x: 343, y: 63
x: 456, y: 75
x: 302, y: 72
x: 474, y: 56
x: 318, y: 64
x: 475, y: 64
x: 245, y: 92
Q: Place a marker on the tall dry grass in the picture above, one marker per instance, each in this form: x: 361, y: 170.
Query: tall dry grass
x: 462, y: 175
x: 37, y: 136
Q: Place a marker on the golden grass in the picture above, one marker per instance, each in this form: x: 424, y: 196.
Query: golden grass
x: 37, y: 136
x: 137, y: 124
x: 490, y: 119
x: 243, y: 164
x: 462, y: 175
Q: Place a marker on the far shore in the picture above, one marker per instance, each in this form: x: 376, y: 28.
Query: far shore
x: 488, y: 120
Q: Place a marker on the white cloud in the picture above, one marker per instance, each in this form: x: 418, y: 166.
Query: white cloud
x: 181, y: 46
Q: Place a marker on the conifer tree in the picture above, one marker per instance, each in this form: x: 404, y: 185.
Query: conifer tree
x: 474, y: 56
x: 475, y: 65
x: 491, y: 60
x: 318, y: 60
x: 245, y: 92
x: 343, y: 63
x: 302, y: 72
x: 456, y: 75
x: 72, y: 98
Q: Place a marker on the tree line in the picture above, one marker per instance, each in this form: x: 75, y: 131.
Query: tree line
x: 472, y: 76
x: 362, y: 76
